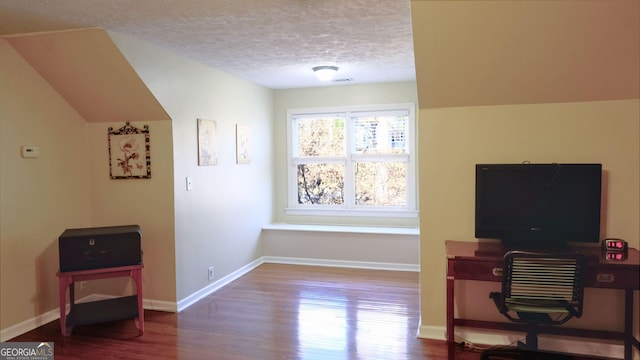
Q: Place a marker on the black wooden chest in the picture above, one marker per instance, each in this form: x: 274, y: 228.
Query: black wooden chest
x: 100, y: 247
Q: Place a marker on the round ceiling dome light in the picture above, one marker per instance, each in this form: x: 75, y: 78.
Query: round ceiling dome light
x: 326, y: 72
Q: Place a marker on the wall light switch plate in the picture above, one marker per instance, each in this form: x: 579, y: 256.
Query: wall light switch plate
x: 189, y: 183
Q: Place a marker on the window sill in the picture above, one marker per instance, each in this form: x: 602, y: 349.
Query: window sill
x: 355, y: 213
x: 344, y: 229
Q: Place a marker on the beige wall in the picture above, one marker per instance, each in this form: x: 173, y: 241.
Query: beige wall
x: 145, y: 202
x: 41, y: 197
x: 494, y: 52
x: 218, y: 223
x: 453, y: 140
x: 330, y: 96
x: 343, y: 248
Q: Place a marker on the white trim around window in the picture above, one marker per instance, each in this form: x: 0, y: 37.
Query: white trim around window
x: 349, y: 208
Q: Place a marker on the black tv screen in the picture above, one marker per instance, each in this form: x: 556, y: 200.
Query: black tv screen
x: 538, y: 205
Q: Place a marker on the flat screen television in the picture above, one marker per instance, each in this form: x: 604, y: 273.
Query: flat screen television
x: 538, y: 205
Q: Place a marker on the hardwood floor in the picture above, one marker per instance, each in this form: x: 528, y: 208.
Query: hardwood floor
x: 274, y: 312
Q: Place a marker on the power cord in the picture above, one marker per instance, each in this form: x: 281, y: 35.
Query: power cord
x: 470, y: 346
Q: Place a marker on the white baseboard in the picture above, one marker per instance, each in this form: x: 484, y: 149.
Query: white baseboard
x: 210, y: 289
x: 37, y: 321
x: 573, y: 345
x: 53, y: 315
x: 29, y: 324
x: 160, y: 305
x: 341, y: 263
x: 213, y: 287
x: 432, y: 332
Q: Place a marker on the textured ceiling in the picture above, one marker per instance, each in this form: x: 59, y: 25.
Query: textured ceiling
x: 274, y: 43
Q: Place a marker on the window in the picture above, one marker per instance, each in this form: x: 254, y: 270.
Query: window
x: 356, y: 160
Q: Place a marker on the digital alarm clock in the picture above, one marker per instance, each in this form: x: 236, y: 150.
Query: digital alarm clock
x: 614, y: 249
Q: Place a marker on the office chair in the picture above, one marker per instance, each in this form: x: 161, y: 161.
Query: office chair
x: 540, y: 290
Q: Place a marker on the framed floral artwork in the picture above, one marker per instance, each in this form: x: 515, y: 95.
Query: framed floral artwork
x: 129, y: 155
x: 207, y: 142
x: 243, y: 155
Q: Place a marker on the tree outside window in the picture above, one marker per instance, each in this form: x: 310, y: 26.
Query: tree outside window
x: 352, y: 159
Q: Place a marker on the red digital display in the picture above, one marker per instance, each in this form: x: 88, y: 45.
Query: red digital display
x: 615, y: 249
x: 615, y: 244
x: 616, y: 256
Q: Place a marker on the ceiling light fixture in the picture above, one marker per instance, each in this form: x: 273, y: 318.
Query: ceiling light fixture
x: 325, y: 73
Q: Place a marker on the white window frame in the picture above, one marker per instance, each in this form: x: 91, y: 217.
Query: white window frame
x: 349, y: 208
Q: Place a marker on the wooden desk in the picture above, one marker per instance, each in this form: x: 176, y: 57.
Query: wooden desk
x: 483, y: 261
x: 128, y: 307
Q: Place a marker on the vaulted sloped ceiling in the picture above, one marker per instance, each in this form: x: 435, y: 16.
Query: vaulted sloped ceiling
x: 521, y: 52
x: 87, y: 69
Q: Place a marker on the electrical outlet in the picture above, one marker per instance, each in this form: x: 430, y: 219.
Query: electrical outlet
x: 210, y: 273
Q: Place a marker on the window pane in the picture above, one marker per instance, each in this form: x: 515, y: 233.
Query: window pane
x: 321, y: 136
x: 321, y: 184
x: 380, y: 134
x: 381, y: 183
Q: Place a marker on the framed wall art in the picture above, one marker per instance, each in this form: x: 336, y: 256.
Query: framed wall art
x: 129, y: 154
x: 243, y: 155
x: 207, y: 142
